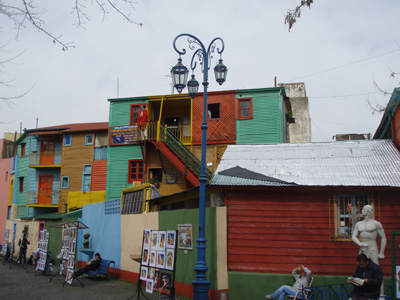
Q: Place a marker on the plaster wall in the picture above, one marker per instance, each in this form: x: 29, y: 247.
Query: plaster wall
x: 5, y: 168
x: 132, y: 227
x: 33, y: 234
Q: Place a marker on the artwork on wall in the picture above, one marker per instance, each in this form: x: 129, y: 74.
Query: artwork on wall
x: 161, y: 240
x: 145, y: 257
x: 165, y: 283
x: 160, y: 259
x: 169, y: 259
x: 185, y: 236
x: 153, y: 258
x: 154, y: 239
x: 171, y: 238
x: 143, y: 273
x: 146, y: 242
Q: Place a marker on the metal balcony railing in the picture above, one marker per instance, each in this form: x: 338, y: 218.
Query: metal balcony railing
x: 180, y: 150
x: 34, y: 159
x: 32, y: 197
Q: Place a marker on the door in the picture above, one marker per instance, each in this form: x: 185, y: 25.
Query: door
x: 45, y: 192
x: 47, y: 152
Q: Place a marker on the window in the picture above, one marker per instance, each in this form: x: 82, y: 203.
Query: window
x: 23, y: 146
x: 213, y: 111
x: 89, y: 139
x: 9, y: 213
x: 132, y: 202
x: 65, y: 182
x: 67, y: 140
x: 135, y: 110
x: 348, y: 212
x: 136, y: 171
x: 21, y: 184
x: 86, y: 177
x: 245, y: 109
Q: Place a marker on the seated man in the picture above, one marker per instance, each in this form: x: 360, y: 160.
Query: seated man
x: 302, y: 277
x: 91, y: 266
x: 370, y: 277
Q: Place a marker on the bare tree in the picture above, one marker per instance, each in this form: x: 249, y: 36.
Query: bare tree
x: 293, y: 14
x: 26, y: 13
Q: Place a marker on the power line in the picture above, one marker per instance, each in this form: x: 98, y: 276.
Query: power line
x: 353, y: 95
x: 342, y: 66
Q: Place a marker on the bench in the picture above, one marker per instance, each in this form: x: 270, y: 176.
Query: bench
x: 102, y: 269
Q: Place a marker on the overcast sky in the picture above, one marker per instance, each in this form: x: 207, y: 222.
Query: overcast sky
x: 338, y: 48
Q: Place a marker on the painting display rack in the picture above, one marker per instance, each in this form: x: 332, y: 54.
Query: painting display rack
x: 157, y: 265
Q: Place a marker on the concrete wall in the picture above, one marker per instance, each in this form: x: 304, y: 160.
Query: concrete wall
x: 300, y: 131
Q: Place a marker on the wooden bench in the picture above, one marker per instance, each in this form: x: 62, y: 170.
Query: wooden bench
x: 102, y: 269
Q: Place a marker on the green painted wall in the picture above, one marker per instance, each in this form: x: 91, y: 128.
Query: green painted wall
x: 256, y: 285
x: 54, y: 228
x: 120, y: 110
x: 118, y: 156
x: 266, y: 125
x: 117, y: 168
x: 185, y: 262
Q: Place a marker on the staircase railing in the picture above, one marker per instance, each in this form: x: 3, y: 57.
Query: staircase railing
x: 184, y: 154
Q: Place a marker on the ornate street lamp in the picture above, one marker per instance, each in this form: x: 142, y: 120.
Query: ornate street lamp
x: 179, y: 75
x: 200, y: 284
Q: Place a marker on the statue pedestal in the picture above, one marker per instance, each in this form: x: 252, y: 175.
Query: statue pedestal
x: 88, y: 251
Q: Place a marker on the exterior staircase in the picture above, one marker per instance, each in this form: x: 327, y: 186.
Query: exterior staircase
x: 183, y: 159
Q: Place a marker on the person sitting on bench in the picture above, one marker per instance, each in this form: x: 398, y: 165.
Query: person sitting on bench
x: 302, y: 277
x: 91, y: 266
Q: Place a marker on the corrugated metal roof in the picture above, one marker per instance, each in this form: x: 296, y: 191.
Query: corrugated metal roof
x: 349, y: 163
x: 77, y: 127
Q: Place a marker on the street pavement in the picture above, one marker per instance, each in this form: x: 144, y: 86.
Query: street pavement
x: 16, y: 283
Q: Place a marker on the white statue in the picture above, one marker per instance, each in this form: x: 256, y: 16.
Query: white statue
x: 368, y: 230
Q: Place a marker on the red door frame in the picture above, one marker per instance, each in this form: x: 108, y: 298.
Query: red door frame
x: 47, y: 150
x: 45, y: 189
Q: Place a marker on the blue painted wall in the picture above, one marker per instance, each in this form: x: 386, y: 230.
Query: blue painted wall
x: 105, y: 232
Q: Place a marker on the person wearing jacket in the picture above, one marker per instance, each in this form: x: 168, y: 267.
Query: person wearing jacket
x: 302, y: 277
x: 371, y: 275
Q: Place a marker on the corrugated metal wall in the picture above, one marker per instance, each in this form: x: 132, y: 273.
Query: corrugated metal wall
x: 117, y: 171
x: 265, y: 127
x: 220, y: 129
x: 99, y: 175
x: 272, y: 232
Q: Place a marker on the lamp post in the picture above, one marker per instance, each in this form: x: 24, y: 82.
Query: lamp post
x: 179, y: 75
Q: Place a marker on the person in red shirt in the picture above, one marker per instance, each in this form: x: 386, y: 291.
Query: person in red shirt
x: 142, y: 122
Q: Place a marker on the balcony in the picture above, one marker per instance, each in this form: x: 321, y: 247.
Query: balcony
x: 36, y: 160
x: 32, y: 199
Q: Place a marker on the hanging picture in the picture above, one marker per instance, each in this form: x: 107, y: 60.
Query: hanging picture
x: 171, y: 238
x: 145, y: 257
x: 161, y: 240
x: 149, y: 286
x: 150, y: 273
x: 185, y: 236
x: 169, y: 259
x: 70, y: 272
x: 156, y: 278
x: 153, y: 258
x: 143, y: 273
x: 146, y: 241
x: 160, y: 259
x: 165, y: 283
x: 154, y: 239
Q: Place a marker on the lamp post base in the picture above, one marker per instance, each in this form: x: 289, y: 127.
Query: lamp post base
x: 200, y: 289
